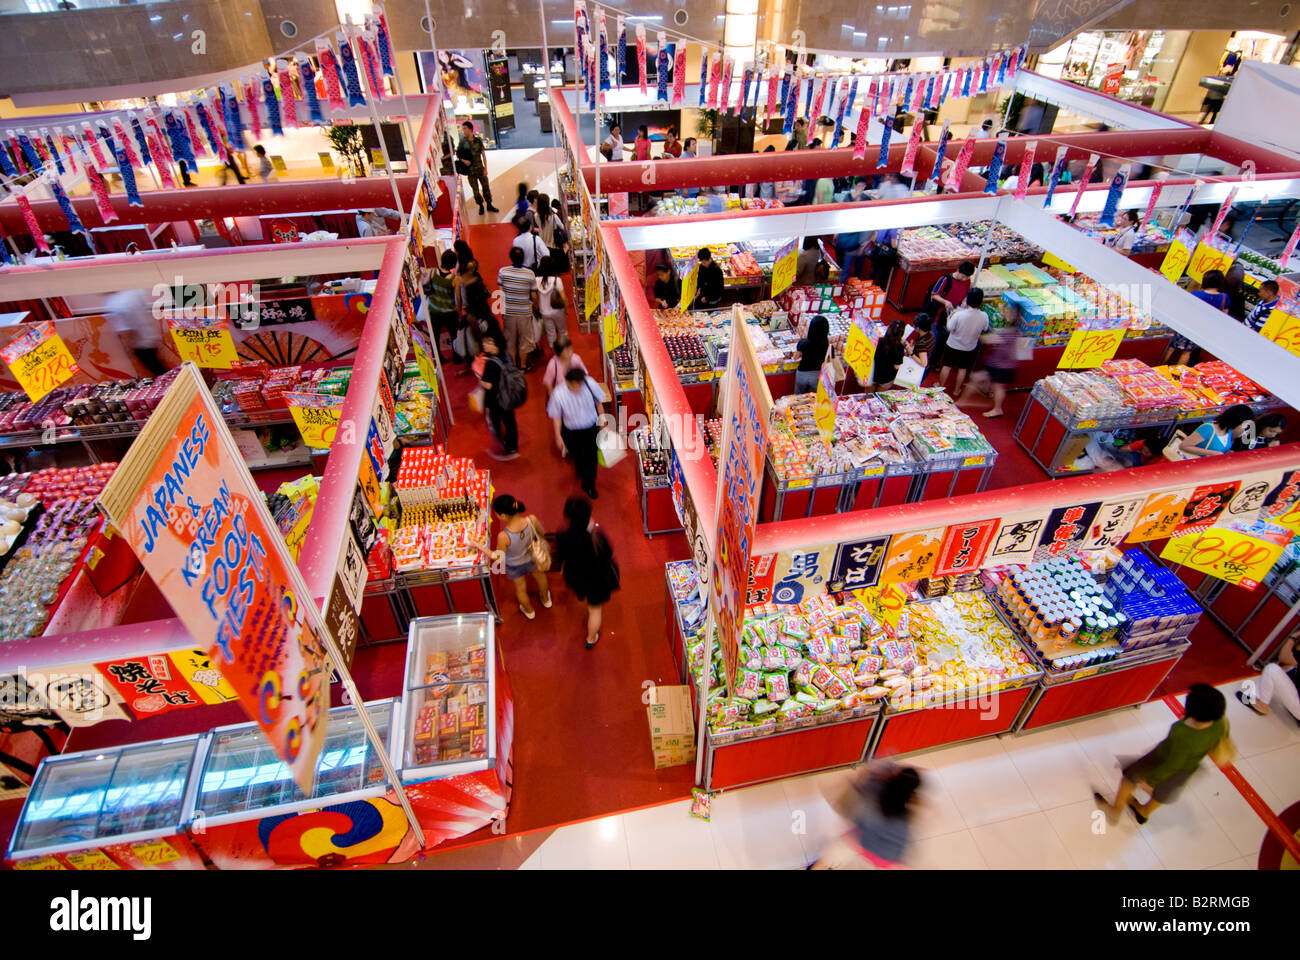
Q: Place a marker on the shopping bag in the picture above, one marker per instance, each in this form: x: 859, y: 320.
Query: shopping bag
x: 1224, y: 752
x: 1171, y: 451
x: 610, y: 448
x: 476, y: 398
x: 910, y: 373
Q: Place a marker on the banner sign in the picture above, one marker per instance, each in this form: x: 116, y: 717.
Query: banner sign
x: 689, y: 283
x: 190, y: 510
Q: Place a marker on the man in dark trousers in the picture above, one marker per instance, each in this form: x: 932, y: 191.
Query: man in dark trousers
x: 575, y: 408
x: 710, y: 281
x: 470, y: 152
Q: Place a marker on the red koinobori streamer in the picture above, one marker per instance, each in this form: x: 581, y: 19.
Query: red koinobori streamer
x: 99, y: 190
x: 127, y: 146
x: 728, y: 68
x: 959, y: 168
x: 329, y: 66
x: 819, y: 100
x: 1026, y: 169
x: 253, y: 98
x: 864, y: 120
x: 288, y: 94
x: 679, y: 71
x: 33, y: 227
x: 1083, y: 181
x: 1151, y: 206
x: 643, y: 61
x: 913, y: 145
x: 773, y: 91
x: 715, y: 78
x: 1290, y: 246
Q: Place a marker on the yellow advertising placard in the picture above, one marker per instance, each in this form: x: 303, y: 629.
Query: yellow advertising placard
x: 689, y: 283
x: 1283, y: 328
x: 1090, y: 348
x: 1205, y: 258
x: 1233, y: 556
x: 1053, y: 261
x: 783, y: 270
x: 824, y: 403
x: 591, y: 295
x: 39, y: 360
x: 206, y: 341
x: 317, y: 417
x: 613, y: 335
x: 860, y: 353
x: 1174, y: 265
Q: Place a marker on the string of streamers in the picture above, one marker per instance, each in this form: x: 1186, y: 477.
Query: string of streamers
x: 995, y: 164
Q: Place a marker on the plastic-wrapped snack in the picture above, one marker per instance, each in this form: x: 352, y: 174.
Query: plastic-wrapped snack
x: 865, y: 679
x: 773, y: 658
x: 835, y: 687
x: 792, y: 657
x: 743, y: 704
x: 751, y: 658
x: 803, y: 672
x: 869, y: 662
x: 840, y: 652
x: 819, y: 650
x: 795, y: 627
x: 851, y: 630
x: 845, y: 676
x: 806, y: 694
x: 876, y: 693
x: 762, y: 708
x: 826, y: 706
x: 822, y: 677
x: 778, y: 686
x: 728, y: 714
x: 749, y: 683
x: 753, y: 634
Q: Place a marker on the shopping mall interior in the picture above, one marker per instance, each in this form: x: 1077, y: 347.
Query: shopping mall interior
x: 693, y: 434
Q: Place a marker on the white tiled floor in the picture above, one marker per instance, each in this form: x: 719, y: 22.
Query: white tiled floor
x: 1018, y: 802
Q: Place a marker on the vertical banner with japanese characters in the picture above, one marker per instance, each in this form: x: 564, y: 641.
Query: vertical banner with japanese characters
x: 184, y: 500
x: 744, y: 442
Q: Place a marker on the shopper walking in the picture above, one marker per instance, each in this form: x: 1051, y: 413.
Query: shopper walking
x: 529, y: 243
x: 586, y: 558
x: 1166, y: 769
x: 946, y: 296
x: 879, y: 803
x: 230, y: 166
x: 471, y: 163
x: 575, y: 409
x: 813, y: 350
x: 521, y: 201
x: 552, y: 303
x: 889, y: 357
x: 1215, y: 436
x: 517, y: 285
x: 1280, y: 679
x: 477, y: 319
x: 965, y: 327
x: 499, y: 397
x: 562, y: 361
x: 547, y: 221
x: 1003, y: 345
x: 519, y: 544
x: 265, y: 169
x: 440, y: 292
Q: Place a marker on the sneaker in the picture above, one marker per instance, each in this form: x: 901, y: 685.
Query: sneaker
x: 491, y: 209
x: 591, y: 493
x: 504, y: 457
x: 529, y: 614
x: 480, y: 209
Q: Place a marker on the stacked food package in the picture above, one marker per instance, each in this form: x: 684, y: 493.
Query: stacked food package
x: 1004, y: 243
x: 451, y: 719
x: 413, y: 405
x: 930, y: 248
x: 682, y: 339
x: 444, y: 511
x: 291, y: 508
x: 124, y: 401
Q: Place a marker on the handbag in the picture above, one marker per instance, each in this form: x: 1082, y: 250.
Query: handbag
x: 1171, y: 451
x: 538, y: 549
x: 1224, y: 753
x: 557, y: 295
x: 910, y: 373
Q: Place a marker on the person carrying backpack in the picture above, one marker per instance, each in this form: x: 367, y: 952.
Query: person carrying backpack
x: 504, y: 391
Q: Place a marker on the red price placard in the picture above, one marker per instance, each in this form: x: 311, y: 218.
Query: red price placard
x: 1090, y: 348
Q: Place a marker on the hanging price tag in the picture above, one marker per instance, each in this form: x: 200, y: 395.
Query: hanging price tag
x: 1283, y: 329
x: 155, y: 851
x: 783, y: 271
x: 317, y: 417
x: 591, y: 296
x: 613, y: 335
x: 689, y: 283
x: 1206, y: 258
x: 1090, y: 348
x: 1174, y: 265
x: 1233, y: 556
x: 860, y: 353
x: 39, y: 360
x: 428, y: 370
x: 824, y: 403
x: 205, y: 341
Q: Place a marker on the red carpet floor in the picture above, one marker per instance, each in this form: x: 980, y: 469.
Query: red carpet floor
x: 581, y: 746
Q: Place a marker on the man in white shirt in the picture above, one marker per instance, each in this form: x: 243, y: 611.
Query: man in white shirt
x: 530, y: 243
x: 374, y: 223
x: 984, y: 132
x: 575, y: 408
x: 965, y: 326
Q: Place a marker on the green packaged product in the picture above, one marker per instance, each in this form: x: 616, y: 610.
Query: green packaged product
x: 762, y: 708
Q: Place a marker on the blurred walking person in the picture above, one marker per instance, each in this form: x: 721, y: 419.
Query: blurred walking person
x: 879, y: 803
x: 587, y: 560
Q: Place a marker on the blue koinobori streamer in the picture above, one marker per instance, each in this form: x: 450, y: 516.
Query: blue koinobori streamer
x: 984, y: 77
x: 385, y: 45
x: 995, y: 166
x: 141, y: 141
x: 788, y: 129
x: 6, y: 164
x: 208, y: 132
x: 944, y: 137
x: 947, y: 86
x: 1003, y: 63
x: 308, y: 73
x: 661, y: 64
x: 604, y: 63
x: 622, y: 55
x: 181, y: 149
x: 5, y: 255
x: 272, y: 110
x: 839, y: 113
x: 965, y: 81
x: 704, y: 74
x: 1057, y: 168
x: 1117, y: 184
x: 128, y: 178
x: 29, y: 151
x: 54, y: 152
x: 907, y: 94
x: 807, y: 105
x: 348, y: 59
x: 74, y: 221
x: 785, y: 92
x: 883, y: 160
x: 929, y: 92
x: 744, y: 91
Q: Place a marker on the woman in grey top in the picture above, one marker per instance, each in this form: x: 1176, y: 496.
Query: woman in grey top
x: 518, y: 531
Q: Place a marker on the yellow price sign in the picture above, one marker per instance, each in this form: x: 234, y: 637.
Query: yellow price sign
x: 591, y: 296
x: 39, y: 360
x: 1283, y: 328
x: 1174, y: 265
x: 613, y: 334
x: 783, y: 270
x: 428, y: 371
x: 155, y: 851
x: 1233, y: 556
x: 1205, y: 258
x: 91, y: 860
x: 1090, y: 348
x: 689, y: 283
x: 39, y: 863
x: 317, y: 417
x: 885, y: 602
x: 824, y: 403
x: 1050, y: 260
x: 207, y: 342
x: 1290, y: 520
x: 860, y: 353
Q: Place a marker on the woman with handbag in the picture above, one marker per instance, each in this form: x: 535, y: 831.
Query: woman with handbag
x: 587, y: 559
x: 552, y: 304
x: 522, y: 545
x: 1202, y: 732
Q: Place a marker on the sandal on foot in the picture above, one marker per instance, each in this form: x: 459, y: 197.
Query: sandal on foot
x: 1250, y: 704
x: 530, y: 614
x: 546, y: 601
x: 1137, y: 814
x: 1111, y: 813
x: 592, y: 643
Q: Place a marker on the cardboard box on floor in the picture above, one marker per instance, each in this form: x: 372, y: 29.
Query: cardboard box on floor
x: 672, y: 728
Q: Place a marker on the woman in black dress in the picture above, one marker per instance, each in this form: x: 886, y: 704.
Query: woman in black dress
x: 587, y: 560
